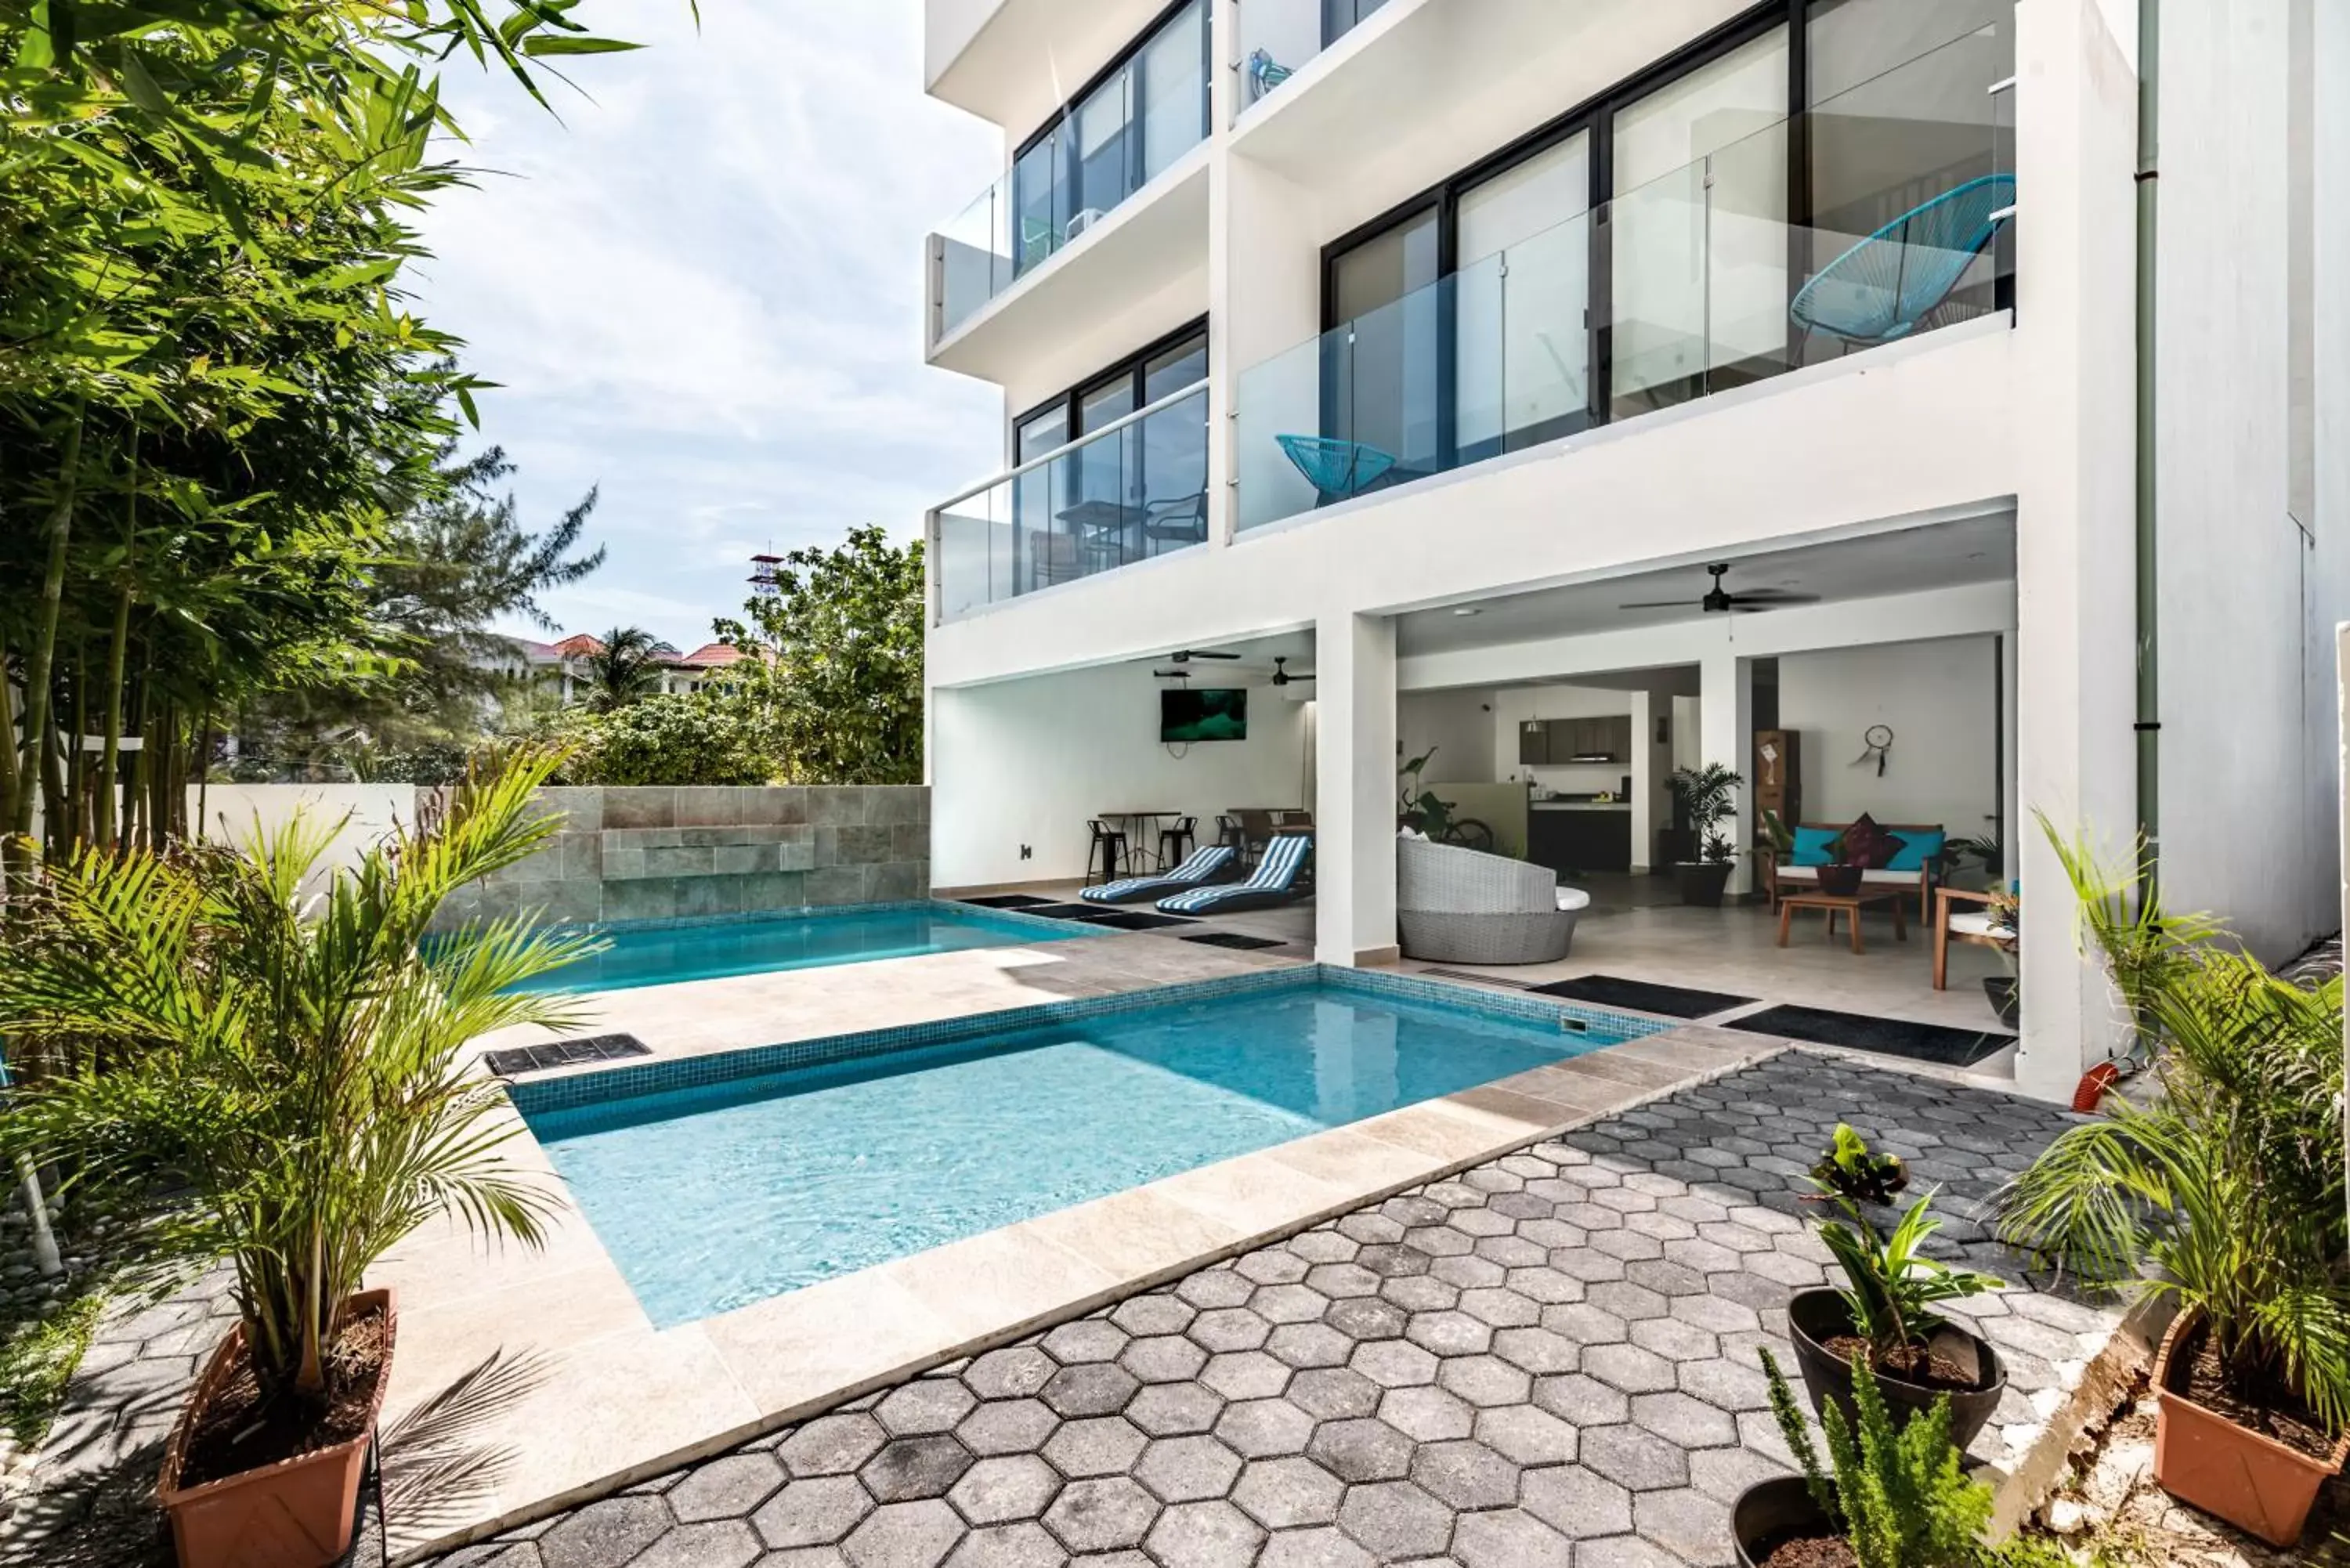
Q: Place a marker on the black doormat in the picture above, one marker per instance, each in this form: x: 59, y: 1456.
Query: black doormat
x: 1643, y: 996
x: 1139, y: 920
x: 1088, y: 913
x: 1233, y: 939
x: 565, y: 1054
x: 1888, y: 1036
x: 1006, y: 901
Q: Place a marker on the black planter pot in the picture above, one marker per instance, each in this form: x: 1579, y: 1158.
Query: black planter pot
x: 1815, y: 1317
x: 2000, y: 989
x: 1840, y: 881
x: 1771, y: 1511
x: 1702, y: 882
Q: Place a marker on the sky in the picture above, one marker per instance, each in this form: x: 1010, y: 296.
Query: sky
x: 702, y: 290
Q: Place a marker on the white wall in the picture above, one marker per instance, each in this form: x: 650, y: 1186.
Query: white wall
x: 362, y: 815
x: 1459, y: 726
x: 1938, y: 697
x: 1027, y: 762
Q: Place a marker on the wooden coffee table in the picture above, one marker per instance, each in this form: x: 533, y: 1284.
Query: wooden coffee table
x: 1848, y: 904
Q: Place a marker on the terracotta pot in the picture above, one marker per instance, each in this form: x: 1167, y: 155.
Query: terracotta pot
x: 1702, y: 882
x: 1771, y: 1511
x: 2254, y: 1482
x: 1813, y: 1318
x: 297, y: 1514
x: 1840, y: 881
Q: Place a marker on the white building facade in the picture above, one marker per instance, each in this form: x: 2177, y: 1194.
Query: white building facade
x: 1439, y: 347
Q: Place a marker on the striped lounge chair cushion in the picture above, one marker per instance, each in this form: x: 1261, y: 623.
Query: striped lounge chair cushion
x: 1203, y: 863
x: 1283, y: 858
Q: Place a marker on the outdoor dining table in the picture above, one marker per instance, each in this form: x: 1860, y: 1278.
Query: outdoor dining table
x: 1142, y: 830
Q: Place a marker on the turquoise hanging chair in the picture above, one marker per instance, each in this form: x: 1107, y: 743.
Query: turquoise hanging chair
x: 1884, y: 286
x: 1336, y: 467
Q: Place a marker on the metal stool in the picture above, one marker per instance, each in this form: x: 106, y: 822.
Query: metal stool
x: 1108, y: 851
x: 1176, y: 843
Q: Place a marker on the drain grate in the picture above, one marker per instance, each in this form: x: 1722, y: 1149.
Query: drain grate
x: 1233, y: 939
x: 566, y: 1053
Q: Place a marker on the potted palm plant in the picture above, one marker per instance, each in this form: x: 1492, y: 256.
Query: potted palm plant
x: 280, y: 1045
x: 1704, y: 799
x: 2222, y: 1191
x: 1881, y: 1328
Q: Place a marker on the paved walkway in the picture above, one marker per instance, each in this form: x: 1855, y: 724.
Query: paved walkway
x: 1559, y: 1346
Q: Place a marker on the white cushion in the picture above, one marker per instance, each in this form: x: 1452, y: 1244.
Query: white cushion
x: 1879, y: 877
x: 1979, y: 926
x: 1572, y: 898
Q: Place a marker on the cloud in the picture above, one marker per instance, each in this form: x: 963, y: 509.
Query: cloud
x: 701, y: 289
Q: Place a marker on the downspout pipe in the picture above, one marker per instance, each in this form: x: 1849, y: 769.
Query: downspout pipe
x: 2148, y: 724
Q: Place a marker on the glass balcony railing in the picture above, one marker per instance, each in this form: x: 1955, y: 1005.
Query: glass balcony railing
x: 1686, y: 285
x: 1133, y: 491
x: 1128, y: 131
x: 1278, y: 36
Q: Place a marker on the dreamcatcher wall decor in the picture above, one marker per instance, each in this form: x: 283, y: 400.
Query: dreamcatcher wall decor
x: 1877, y: 746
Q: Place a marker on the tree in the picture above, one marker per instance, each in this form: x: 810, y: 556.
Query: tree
x: 695, y: 739
x: 625, y: 669
x: 833, y: 675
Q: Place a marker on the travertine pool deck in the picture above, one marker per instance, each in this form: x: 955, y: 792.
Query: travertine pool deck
x: 1549, y: 1357
x: 615, y: 1400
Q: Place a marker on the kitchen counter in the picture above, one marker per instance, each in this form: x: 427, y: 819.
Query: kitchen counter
x: 1581, y: 805
x: 1576, y: 837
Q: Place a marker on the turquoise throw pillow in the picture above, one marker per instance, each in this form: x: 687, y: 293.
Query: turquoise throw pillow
x: 1916, y: 849
x: 1812, y: 846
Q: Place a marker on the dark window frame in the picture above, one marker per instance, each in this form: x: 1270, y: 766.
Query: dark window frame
x: 1065, y: 113
x: 1130, y: 366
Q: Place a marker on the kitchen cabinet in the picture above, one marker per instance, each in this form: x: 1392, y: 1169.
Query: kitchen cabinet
x: 1554, y: 741
x: 1533, y: 743
x: 1575, y: 841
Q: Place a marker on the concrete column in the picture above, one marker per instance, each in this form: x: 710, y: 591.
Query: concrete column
x: 2076, y: 623
x: 1637, y: 763
x: 1355, y: 790
x: 1726, y: 727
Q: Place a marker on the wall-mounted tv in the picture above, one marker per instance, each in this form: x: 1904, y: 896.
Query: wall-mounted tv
x: 1210, y: 713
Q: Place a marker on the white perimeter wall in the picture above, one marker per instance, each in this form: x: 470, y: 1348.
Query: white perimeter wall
x: 1027, y: 762
x: 363, y: 814
x: 1939, y: 700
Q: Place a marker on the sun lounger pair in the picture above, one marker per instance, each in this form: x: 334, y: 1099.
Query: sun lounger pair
x: 1190, y: 889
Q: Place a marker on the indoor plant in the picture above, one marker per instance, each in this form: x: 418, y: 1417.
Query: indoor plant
x: 1705, y: 798
x: 278, y: 1043
x: 1893, y: 1499
x: 1883, y: 1323
x: 2224, y: 1192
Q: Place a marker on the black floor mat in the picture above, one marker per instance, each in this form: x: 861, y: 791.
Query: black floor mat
x: 1233, y: 940
x: 1888, y: 1036
x: 1138, y: 920
x: 566, y: 1053
x: 1085, y: 912
x: 1643, y: 996
x: 1006, y: 901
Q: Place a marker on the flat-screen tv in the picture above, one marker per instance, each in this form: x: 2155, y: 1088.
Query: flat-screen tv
x: 1210, y: 713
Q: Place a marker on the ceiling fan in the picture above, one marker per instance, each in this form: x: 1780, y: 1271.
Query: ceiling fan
x: 1720, y: 600
x: 1281, y: 675
x: 1185, y: 655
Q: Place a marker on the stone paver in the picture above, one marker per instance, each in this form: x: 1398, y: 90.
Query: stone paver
x: 1557, y: 1353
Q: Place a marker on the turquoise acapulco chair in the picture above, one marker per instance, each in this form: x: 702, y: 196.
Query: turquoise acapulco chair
x: 1881, y: 288
x: 1337, y: 469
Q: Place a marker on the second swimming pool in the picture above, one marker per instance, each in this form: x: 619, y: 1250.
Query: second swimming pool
x: 715, y: 1196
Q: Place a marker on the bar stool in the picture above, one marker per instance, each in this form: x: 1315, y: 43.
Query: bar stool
x: 1175, y: 844
x: 1108, y: 850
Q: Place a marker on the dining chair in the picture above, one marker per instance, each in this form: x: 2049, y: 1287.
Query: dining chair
x: 1108, y: 852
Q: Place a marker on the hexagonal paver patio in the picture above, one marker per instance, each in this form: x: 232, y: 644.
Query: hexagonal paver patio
x: 1561, y: 1346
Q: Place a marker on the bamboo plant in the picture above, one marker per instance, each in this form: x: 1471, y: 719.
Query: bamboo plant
x: 282, y: 1042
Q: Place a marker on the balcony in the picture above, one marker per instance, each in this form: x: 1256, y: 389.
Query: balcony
x: 1011, y: 62
x: 1133, y: 491
x: 1691, y: 285
x: 1132, y: 143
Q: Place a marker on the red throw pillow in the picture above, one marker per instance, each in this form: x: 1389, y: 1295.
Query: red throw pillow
x: 1868, y: 845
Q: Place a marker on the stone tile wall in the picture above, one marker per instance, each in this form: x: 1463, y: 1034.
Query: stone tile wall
x: 667, y: 853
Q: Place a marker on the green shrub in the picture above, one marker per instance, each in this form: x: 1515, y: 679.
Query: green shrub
x: 691, y: 740
x: 1899, y: 1497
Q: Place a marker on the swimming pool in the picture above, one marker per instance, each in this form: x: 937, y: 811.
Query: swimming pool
x: 663, y: 955
x: 713, y: 1196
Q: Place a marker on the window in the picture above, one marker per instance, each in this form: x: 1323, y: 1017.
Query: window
x: 1124, y: 129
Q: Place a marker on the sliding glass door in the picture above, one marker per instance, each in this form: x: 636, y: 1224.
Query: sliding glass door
x: 1522, y: 303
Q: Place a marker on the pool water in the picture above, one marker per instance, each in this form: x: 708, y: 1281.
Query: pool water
x: 663, y: 955
x: 711, y: 1197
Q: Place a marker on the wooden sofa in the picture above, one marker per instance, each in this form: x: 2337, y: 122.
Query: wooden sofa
x: 1776, y: 878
